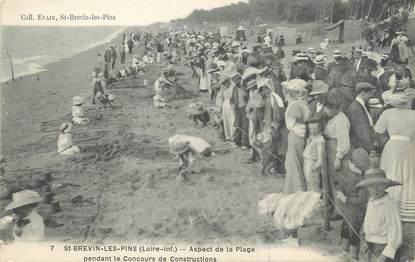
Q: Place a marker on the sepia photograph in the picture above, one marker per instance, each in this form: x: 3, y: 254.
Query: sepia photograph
x: 207, y: 130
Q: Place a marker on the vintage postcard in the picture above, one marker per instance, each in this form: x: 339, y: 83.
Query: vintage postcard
x: 207, y: 130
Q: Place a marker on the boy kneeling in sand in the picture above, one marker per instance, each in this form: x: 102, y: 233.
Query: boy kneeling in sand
x: 382, y: 225
x: 188, y: 160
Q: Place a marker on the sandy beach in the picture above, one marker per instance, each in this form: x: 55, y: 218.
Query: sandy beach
x: 123, y: 186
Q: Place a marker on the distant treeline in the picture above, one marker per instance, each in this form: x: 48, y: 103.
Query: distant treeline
x: 256, y: 12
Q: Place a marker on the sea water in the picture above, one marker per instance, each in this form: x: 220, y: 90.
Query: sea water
x: 30, y: 48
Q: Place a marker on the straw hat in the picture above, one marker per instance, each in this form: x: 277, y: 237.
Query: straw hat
x: 212, y: 70
x: 23, y: 198
x: 295, y: 85
x: 179, y: 148
x: 337, y: 53
x: 77, y: 100
x: 235, y: 44
x: 267, y: 83
x: 67, y: 127
x: 375, y: 102
x: 301, y: 57
x: 320, y: 60
x: 228, y: 73
x: 362, y: 86
x: 251, y: 83
x: 319, y: 87
x: 374, y: 176
x: 196, y: 108
x: 264, y: 71
x: 360, y: 159
x: 250, y: 71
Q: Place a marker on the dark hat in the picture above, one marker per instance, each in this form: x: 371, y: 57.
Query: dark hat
x: 316, y: 118
x: 364, y: 86
x: 375, y: 176
x: 333, y: 99
x: 319, y: 87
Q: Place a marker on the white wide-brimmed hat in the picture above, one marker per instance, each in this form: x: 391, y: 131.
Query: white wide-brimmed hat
x: 320, y: 59
x: 295, y: 85
x: 77, y: 100
x: 398, y: 99
x: 23, y: 198
x: 250, y: 71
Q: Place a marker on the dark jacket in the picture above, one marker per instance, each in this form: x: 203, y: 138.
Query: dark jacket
x: 107, y: 56
x: 300, y: 71
x: 321, y: 73
x: 361, y: 133
x: 280, y: 54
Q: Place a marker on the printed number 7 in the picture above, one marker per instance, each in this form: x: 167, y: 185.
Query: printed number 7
x: 51, y: 247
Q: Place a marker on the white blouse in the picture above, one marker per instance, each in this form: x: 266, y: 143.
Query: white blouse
x: 338, y: 127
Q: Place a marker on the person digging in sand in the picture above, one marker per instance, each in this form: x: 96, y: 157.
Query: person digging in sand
x: 188, y: 160
x: 198, y: 113
x: 78, y: 112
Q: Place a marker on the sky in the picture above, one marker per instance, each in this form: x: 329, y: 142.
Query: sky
x: 126, y: 12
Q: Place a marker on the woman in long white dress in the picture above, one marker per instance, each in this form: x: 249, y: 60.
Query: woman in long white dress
x: 398, y: 160
x: 228, y: 108
x: 296, y: 115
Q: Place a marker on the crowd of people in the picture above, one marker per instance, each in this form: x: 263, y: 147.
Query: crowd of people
x: 339, y: 124
x: 323, y: 127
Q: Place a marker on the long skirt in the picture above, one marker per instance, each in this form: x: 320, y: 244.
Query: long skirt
x: 398, y: 161
x: 294, y: 178
x: 228, y: 119
x: 335, y: 176
x: 312, y: 177
x: 241, y: 133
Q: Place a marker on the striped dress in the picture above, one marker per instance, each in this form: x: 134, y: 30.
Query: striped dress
x: 398, y: 157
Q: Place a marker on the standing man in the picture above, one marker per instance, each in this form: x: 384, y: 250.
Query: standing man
x: 320, y: 72
x: 107, y: 62
x: 122, y: 54
x: 113, y: 56
x: 280, y: 53
x: 130, y: 44
x: 361, y: 122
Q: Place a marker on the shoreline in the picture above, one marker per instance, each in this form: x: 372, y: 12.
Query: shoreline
x: 30, y: 100
x: 42, y: 68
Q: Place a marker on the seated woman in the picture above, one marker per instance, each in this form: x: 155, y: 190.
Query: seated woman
x: 65, y: 146
x: 78, y: 112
